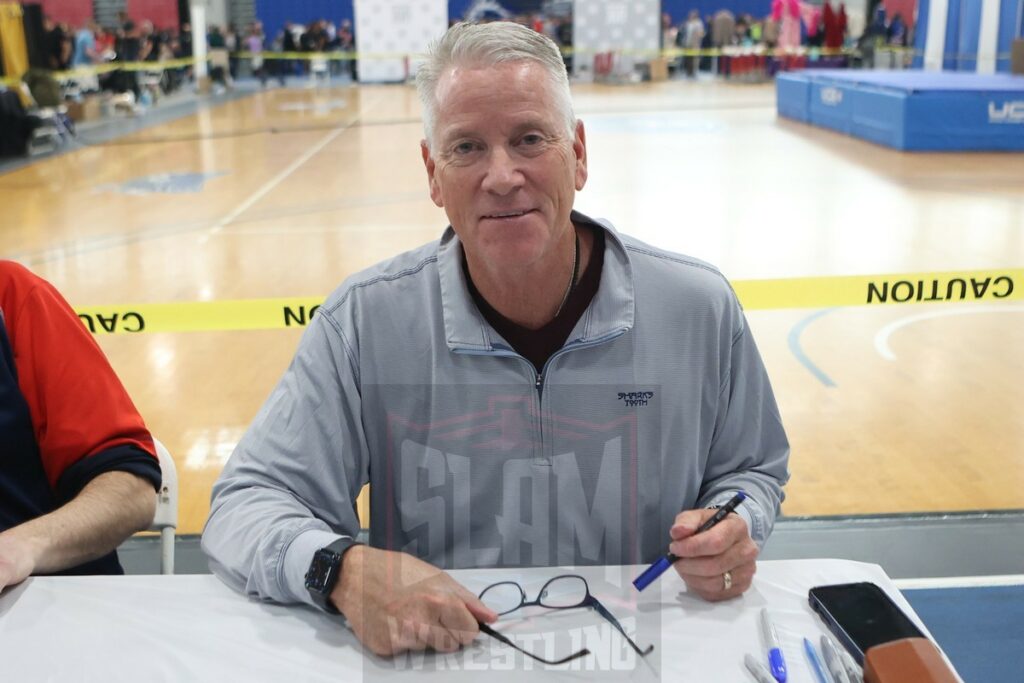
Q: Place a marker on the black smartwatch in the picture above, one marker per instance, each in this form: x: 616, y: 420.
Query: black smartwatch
x: 324, y: 571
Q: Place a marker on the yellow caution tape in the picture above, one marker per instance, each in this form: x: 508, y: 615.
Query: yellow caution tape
x: 873, y: 290
x: 158, y: 66
x: 310, y: 56
x: 810, y: 292
x: 86, y: 71
x: 201, y: 316
x: 668, y: 53
x: 736, y: 51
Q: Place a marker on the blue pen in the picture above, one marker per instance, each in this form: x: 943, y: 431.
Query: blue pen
x: 816, y: 666
x: 771, y: 639
x: 662, y: 563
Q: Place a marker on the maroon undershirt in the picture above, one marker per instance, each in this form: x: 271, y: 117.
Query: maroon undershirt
x: 538, y: 345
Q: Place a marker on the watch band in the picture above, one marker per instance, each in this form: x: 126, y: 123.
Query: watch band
x: 325, y: 571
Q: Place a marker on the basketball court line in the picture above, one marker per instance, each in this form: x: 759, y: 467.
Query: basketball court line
x: 882, y: 336
x: 89, y: 245
x: 798, y: 351
x: 273, y: 182
x: 279, y: 178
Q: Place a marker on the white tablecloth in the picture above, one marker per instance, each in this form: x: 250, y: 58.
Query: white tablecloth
x: 193, y: 628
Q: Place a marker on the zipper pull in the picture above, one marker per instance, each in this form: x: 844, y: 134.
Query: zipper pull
x: 540, y: 381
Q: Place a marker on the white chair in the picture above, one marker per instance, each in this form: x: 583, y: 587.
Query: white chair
x: 52, y: 132
x: 319, y: 71
x: 166, y: 518
x: 149, y: 81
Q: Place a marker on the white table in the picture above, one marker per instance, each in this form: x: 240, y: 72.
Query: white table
x: 193, y: 628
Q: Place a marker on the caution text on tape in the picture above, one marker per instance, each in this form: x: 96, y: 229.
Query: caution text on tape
x: 809, y: 292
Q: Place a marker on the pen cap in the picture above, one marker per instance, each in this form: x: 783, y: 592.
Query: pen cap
x: 651, y: 573
x: 771, y: 636
x: 757, y: 670
x: 735, y: 501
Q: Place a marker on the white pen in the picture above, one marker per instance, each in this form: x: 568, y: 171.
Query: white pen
x: 771, y: 640
x: 757, y: 669
x: 832, y: 660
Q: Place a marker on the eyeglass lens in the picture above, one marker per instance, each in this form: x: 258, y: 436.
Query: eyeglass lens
x: 503, y: 597
x: 563, y: 591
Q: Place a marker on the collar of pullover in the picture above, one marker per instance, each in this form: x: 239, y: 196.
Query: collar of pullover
x: 611, y: 311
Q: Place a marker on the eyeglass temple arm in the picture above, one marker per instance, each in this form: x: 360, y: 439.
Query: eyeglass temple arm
x: 497, y: 635
x: 615, y: 622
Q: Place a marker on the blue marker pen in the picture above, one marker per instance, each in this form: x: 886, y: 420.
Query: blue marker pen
x: 771, y: 639
x: 816, y: 666
x: 662, y: 563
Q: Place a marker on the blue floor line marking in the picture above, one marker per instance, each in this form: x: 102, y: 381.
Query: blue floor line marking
x: 794, y: 346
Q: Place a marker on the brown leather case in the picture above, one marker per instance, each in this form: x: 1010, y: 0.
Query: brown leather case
x: 910, y: 660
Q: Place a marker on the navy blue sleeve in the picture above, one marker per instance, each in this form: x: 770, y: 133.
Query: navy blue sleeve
x: 124, y: 458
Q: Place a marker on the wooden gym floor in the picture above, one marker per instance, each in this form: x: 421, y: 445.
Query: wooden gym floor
x: 702, y: 168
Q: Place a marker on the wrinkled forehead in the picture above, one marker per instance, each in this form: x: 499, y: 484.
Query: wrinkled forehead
x: 497, y: 77
x: 508, y: 89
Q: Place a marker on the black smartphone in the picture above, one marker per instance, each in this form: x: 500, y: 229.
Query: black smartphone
x: 861, y: 616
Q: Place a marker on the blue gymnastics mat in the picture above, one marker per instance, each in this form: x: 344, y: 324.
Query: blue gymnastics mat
x: 980, y: 629
x: 910, y: 110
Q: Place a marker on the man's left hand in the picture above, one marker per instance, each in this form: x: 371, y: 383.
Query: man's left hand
x: 716, y: 564
x: 15, y: 560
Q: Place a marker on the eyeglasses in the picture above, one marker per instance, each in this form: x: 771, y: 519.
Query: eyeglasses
x: 567, y: 591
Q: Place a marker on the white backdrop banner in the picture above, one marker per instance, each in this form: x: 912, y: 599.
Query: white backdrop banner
x: 628, y: 28
x: 395, y: 28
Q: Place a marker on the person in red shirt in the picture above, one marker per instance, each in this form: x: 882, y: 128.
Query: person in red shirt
x: 78, y: 468
x: 835, y: 26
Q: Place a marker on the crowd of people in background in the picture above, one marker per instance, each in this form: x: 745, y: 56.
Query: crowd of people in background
x: 790, y: 24
x: 744, y: 47
x: 129, y: 41
x: 320, y: 36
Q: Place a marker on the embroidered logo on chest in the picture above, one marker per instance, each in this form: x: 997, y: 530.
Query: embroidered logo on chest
x: 635, y: 398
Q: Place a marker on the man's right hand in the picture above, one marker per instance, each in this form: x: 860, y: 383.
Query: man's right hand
x: 395, y: 602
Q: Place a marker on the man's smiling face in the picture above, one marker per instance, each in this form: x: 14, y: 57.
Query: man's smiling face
x: 502, y: 164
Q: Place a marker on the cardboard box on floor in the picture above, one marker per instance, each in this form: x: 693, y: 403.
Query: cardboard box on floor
x: 88, y: 109
x: 659, y: 69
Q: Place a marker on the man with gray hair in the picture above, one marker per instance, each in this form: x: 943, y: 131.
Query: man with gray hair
x: 533, y: 389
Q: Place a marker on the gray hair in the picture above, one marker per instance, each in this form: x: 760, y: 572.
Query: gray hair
x: 487, y: 45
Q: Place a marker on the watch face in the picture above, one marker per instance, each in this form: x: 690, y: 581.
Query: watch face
x: 321, y: 569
